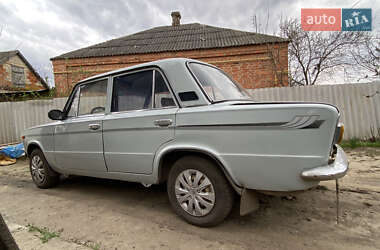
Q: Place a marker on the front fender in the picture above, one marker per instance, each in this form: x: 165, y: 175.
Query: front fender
x: 28, y: 144
x: 46, y: 149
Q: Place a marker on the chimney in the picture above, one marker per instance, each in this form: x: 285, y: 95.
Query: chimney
x: 176, y: 17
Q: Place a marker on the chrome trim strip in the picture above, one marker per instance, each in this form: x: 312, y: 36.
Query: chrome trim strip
x: 137, y: 129
x: 48, y: 134
x: 78, y: 152
x: 271, y: 156
x: 139, y: 110
x: 269, y: 124
x: 276, y: 125
x: 153, y: 88
x: 79, y: 132
x: 126, y: 153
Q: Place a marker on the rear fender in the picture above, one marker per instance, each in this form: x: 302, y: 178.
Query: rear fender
x: 168, y: 148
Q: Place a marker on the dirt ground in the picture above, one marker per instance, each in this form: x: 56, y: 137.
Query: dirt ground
x: 103, y: 214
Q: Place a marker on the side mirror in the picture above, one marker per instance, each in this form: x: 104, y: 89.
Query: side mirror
x: 55, y: 114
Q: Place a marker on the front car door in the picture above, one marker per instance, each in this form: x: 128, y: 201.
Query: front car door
x: 78, y: 139
x: 142, y: 118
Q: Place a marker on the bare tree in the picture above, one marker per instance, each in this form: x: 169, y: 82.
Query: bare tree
x: 257, y: 22
x: 279, y: 66
x: 367, y: 57
x: 313, y: 53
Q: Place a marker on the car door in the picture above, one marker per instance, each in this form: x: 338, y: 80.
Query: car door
x: 142, y: 118
x: 78, y: 139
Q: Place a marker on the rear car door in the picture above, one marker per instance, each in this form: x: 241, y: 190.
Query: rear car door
x: 78, y: 139
x: 142, y: 118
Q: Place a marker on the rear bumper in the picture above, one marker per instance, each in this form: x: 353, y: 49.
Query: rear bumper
x: 332, y: 171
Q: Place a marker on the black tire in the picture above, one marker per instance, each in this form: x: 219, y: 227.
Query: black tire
x: 50, y: 178
x: 224, y: 194
x: 7, y: 242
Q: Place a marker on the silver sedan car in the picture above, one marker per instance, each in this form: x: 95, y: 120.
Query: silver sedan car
x: 188, y: 124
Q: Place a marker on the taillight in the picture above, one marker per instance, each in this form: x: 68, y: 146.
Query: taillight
x: 341, y: 132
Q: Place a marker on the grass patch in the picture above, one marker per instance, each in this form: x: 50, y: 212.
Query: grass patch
x: 356, y: 143
x: 94, y: 246
x: 45, y: 233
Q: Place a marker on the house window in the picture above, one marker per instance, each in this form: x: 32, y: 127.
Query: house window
x: 18, y: 78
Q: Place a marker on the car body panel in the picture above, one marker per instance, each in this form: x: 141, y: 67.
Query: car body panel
x: 247, y: 150
x: 43, y: 137
x: 77, y: 146
x: 132, y: 138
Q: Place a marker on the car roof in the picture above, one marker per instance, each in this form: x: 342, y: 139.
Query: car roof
x: 158, y: 63
x: 175, y: 71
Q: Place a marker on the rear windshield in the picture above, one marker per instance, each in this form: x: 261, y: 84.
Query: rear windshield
x: 217, y: 85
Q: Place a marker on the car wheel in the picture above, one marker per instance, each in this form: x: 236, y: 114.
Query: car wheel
x: 42, y: 174
x: 199, y: 192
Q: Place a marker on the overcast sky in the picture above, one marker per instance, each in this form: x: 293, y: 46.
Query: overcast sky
x: 42, y: 29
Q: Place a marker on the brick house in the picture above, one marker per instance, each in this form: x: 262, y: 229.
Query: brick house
x: 254, y: 60
x: 16, y: 74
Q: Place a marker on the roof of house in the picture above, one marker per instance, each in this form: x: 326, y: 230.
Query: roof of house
x: 172, y: 38
x: 6, y: 55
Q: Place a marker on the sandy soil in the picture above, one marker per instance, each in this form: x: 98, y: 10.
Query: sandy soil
x: 119, y: 215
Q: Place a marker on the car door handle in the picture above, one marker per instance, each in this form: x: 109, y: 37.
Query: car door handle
x: 94, y: 126
x: 163, y: 122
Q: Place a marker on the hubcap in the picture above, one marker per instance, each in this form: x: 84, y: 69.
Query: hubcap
x: 194, y: 192
x: 37, y: 166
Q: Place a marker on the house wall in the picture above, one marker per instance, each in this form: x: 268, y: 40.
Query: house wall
x: 253, y: 66
x: 31, y: 81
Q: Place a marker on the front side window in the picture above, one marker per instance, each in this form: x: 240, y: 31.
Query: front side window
x: 89, y: 99
x: 73, y: 111
x: 93, y: 97
x: 217, y: 85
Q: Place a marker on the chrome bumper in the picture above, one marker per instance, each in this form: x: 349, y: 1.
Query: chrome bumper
x: 332, y: 171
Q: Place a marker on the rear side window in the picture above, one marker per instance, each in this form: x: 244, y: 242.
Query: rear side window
x: 162, y: 96
x: 132, y: 91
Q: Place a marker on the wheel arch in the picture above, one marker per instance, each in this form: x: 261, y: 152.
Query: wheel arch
x: 166, y: 158
x: 31, y: 146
